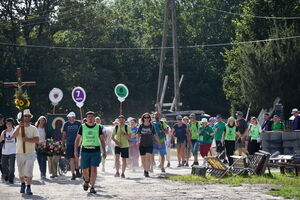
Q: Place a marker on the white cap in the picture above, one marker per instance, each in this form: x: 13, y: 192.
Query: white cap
x: 295, y: 110
x: 203, y: 120
x: 71, y: 114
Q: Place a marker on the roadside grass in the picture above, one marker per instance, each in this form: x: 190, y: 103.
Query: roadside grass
x: 288, y: 186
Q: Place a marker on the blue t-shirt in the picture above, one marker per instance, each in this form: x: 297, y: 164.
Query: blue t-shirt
x: 134, y: 131
x: 180, y: 132
x: 71, y: 130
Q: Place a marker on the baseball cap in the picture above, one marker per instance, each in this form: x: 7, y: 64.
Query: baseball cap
x: 295, y: 110
x: 239, y: 113
x: 121, y: 116
x: 90, y: 113
x: 71, y: 114
x: 1, y: 116
x: 185, y: 117
x: 179, y: 117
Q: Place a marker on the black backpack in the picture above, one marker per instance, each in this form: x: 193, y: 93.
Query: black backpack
x: 126, y: 128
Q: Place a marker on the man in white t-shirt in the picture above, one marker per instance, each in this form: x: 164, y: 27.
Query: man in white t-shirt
x: 25, y: 160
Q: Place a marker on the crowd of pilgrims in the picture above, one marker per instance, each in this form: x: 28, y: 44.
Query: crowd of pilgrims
x: 132, y: 140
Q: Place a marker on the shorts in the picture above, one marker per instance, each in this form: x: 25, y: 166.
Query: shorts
x: 162, y: 151
x: 25, y: 164
x: 204, y: 149
x: 144, y: 150
x: 220, y: 146
x: 180, y: 143
x: 90, y: 159
x: 70, y: 151
x: 123, y: 151
x: 195, y: 147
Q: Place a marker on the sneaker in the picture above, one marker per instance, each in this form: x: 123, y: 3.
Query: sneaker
x: 73, y: 177
x: 11, y: 182
x: 179, y: 165
x: 28, y: 190
x: 92, y: 190
x: 22, y: 188
x: 168, y: 165
x: 53, y: 176
x: 163, y: 170
x: 146, y: 174
x: 78, y: 174
x: 122, y: 175
x: 186, y: 164
x: 117, y: 174
x: 86, y: 186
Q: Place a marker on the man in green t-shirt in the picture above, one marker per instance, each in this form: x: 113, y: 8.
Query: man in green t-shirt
x: 219, y: 132
x: 120, y: 136
x: 91, y: 135
x: 277, y: 125
x: 194, y: 130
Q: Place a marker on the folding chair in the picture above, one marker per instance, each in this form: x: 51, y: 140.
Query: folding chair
x: 218, y: 169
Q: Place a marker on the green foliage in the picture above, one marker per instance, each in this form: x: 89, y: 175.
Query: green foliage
x: 258, y: 73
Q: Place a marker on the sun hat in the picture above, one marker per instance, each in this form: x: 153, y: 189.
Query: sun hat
x: 185, y: 117
x: 212, y: 119
x: 231, y: 119
x: 27, y: 112
x: 295, y: 110
x: 204, y: 120
x: 71, y: 114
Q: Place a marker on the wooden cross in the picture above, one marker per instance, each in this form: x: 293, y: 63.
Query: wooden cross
x: 19, y: 84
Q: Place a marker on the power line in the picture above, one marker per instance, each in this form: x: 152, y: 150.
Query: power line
x: 247, y: 15
x: 147, y: 48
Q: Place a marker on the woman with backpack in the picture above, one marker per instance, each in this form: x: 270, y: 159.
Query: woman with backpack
x: 146, y: 132
x: 8, y: 151
x: 182, y: 134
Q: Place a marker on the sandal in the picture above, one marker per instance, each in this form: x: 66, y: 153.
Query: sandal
x: 86, y: 186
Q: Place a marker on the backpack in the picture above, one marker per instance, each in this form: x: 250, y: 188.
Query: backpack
x: 126, y: 128
x: 197, y: 125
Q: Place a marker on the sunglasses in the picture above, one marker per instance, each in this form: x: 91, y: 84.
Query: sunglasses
x: 146, y: 117
x: 27, y: 115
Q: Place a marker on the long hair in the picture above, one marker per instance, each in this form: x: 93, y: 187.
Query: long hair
x: 143, y: 115
x: 37, y: 123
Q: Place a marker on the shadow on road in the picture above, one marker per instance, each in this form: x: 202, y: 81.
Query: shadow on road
x: 24, y: 196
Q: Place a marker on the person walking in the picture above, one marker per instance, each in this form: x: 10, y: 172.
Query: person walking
x: 121, y: 135
x: 219, y: 130
x: 70, y: 130
x: 254, y: 136
x: 206, y: 134
x: 146, y: 132
x: 181, y: 132
x: 8, y: 156
x: 230, y: 138
x: 242, y: 133
x: 133, y: 145
x: 107, y: 139
x: 56, y: 136
x: 25, y: 160
x: 161, y: 129
x: 91, y: 135
x: 41, y: 125
x: 194, y: 130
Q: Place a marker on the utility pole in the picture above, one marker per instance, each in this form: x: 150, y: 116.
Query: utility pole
x: 169, y: 9
x: 175, y: 56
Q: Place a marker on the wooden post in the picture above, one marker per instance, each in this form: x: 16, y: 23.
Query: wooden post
x: 175, y: 56
x: 173, y: 102
x: 19, y: 84
x: 164, y: 90
x: 162, y: 56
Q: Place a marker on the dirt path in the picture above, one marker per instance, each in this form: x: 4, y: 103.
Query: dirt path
x: 134, y: 186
